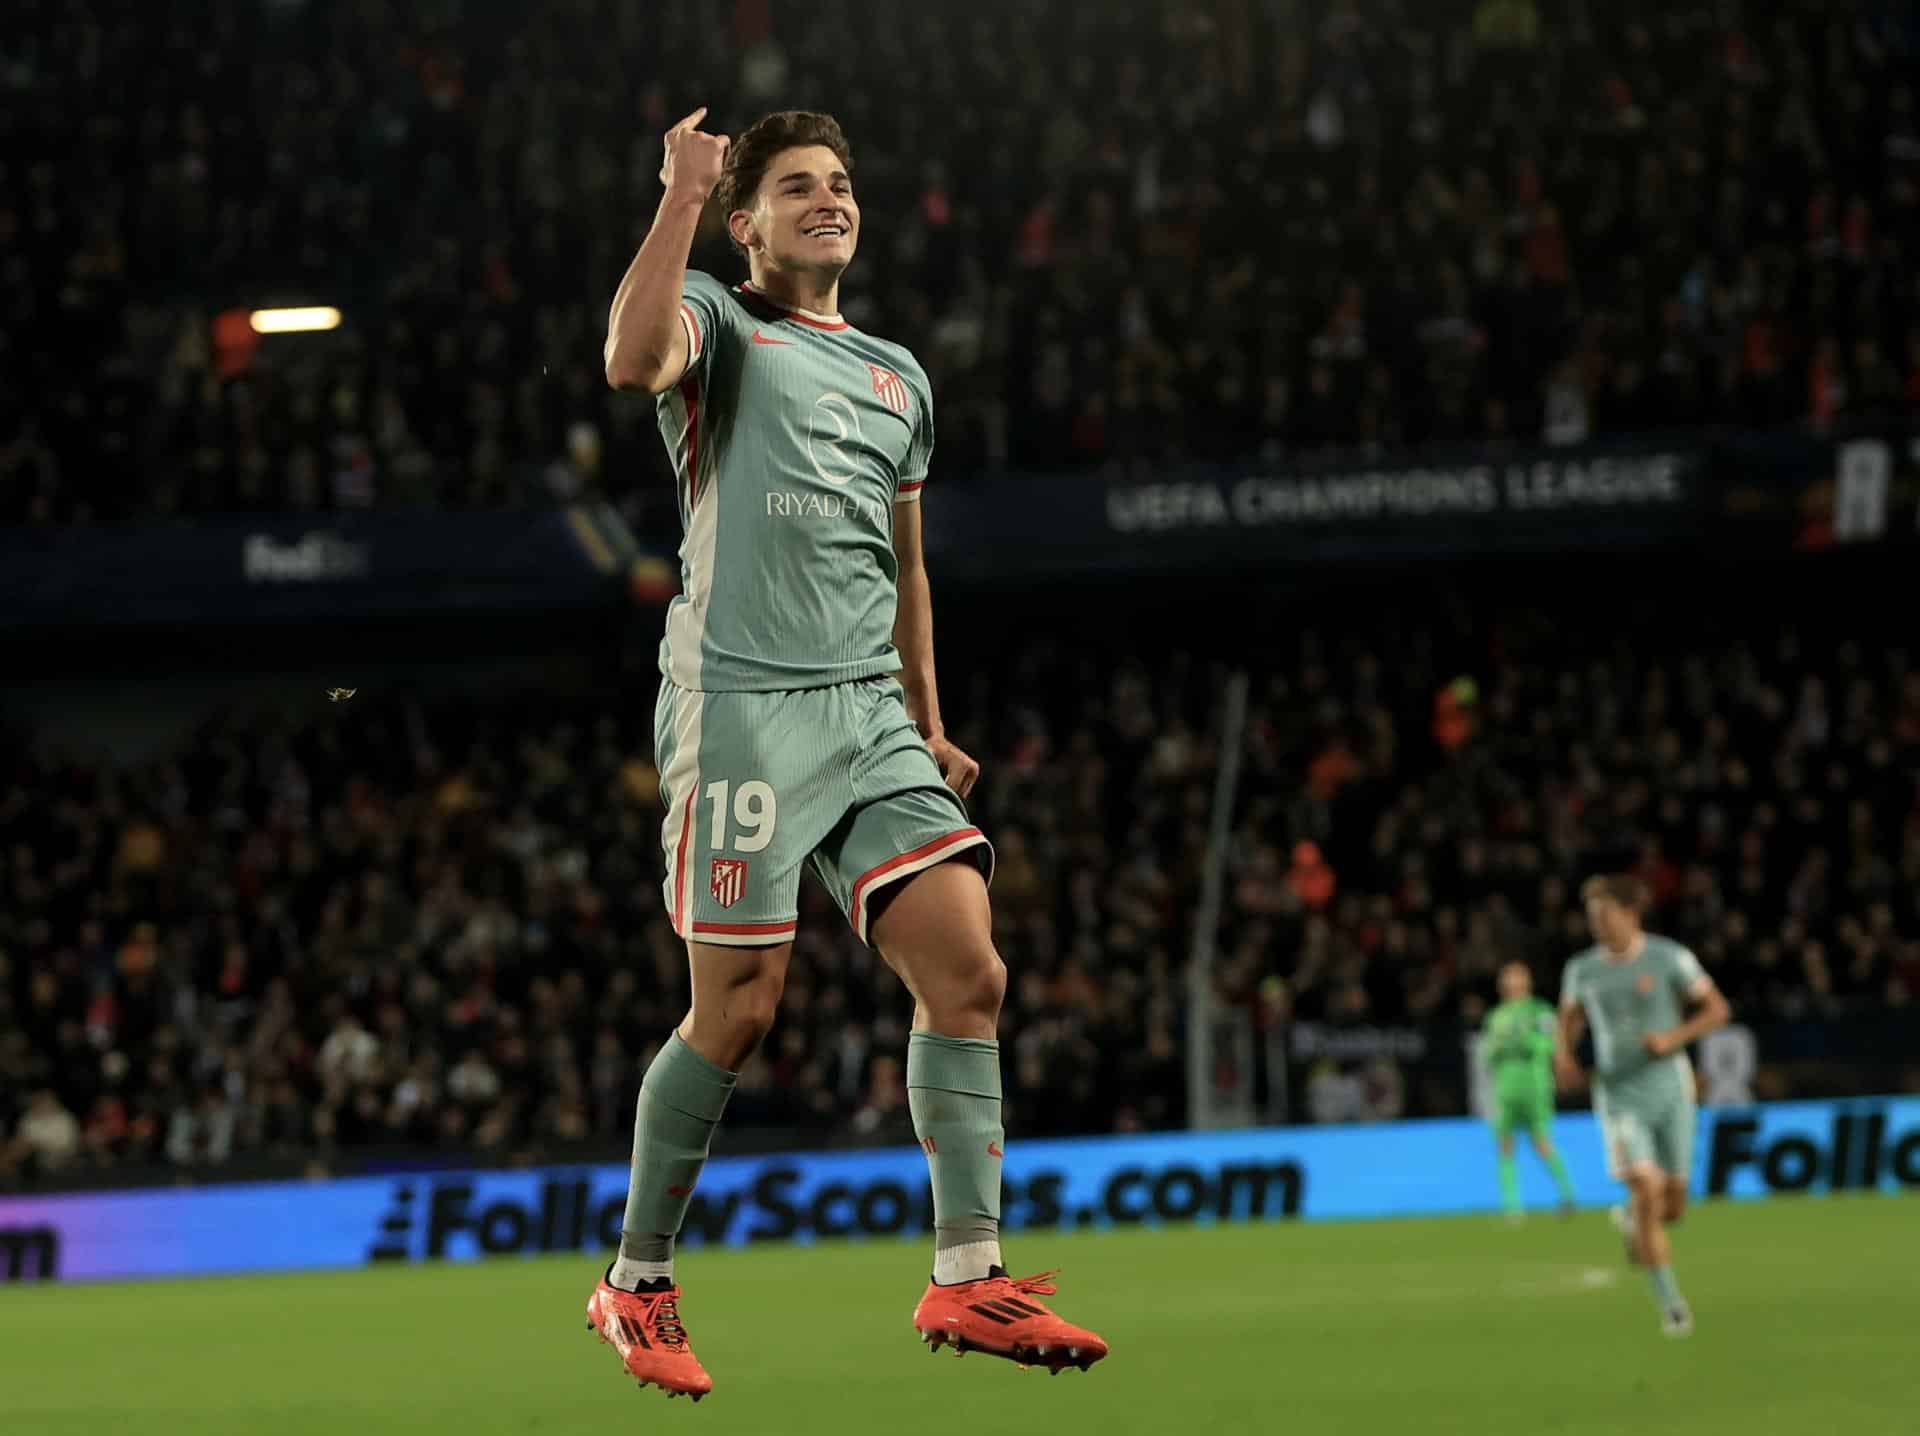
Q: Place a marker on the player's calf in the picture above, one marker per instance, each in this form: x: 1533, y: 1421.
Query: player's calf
x: 1674, y: 1201
x: 1651, y: 1188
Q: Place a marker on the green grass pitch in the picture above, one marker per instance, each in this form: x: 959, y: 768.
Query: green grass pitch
x: 1808, y: 1312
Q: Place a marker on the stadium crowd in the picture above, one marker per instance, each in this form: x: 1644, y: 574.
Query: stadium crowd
x: 443, y: 928
x: 1120, y: 236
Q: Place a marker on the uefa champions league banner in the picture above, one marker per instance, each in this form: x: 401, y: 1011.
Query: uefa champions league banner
x: 1452, y: 502
x: 1293, y: 1173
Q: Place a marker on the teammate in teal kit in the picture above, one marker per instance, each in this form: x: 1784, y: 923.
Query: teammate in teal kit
x: 798, y: 723
x: 1634, y: 988
x: 1516, y: 1043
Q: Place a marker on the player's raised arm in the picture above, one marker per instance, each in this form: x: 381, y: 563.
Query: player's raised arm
x: 647, y: 345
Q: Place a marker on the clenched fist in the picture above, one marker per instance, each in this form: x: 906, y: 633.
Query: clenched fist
x: 960, y: 770
x: 693, y: 159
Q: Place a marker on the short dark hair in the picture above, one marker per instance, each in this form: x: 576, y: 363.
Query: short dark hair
x: 1627, y: 889
x: 749, y: 156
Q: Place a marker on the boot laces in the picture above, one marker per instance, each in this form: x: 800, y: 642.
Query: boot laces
x: 1041, y: 1285
x: 664, y: 1318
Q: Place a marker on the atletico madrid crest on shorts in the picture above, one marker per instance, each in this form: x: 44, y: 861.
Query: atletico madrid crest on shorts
x: 890, y: 387
x: 729, y: 881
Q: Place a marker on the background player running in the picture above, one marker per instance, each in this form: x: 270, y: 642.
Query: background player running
x: 1516, y: 1043
x: 1633, y: 987
x: 799, y: 722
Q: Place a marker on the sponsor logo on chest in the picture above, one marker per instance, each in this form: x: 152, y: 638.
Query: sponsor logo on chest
x: 789, y: 504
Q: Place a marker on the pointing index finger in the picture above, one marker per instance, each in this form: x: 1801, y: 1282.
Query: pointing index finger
x: 690, y: 121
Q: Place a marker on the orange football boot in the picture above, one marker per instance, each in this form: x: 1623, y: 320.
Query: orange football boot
x: 1003, y: 1317
x: 644, y: 1327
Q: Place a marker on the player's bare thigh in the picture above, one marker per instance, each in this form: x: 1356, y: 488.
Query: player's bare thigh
x: 936, y: 933
x: 736, y: 992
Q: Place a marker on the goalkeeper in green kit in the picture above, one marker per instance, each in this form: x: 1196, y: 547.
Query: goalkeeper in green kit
x: 1516, y: 1043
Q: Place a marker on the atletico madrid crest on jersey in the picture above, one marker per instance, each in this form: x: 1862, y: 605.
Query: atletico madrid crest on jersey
x: 729, y: 881
x: 890, y: 387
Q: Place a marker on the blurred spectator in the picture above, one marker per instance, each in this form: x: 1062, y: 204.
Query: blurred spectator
x: 1310, y: 878
x: 201, y: 1134
x: 1204, y: 233
x: 47, y: 1137
x: 442, y: 927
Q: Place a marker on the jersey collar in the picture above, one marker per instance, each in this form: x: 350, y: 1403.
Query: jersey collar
x: 804, y: 316
x: 1631, y: 955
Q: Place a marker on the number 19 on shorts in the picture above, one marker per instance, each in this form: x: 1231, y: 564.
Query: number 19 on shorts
x: 754, y: 812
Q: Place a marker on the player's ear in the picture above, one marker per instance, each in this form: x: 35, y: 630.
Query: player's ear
x: 740, y: 225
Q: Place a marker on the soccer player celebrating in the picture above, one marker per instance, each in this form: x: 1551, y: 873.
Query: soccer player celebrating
x: 798, y: 722
x: 1517, y: 1045
x: 1633, y: 988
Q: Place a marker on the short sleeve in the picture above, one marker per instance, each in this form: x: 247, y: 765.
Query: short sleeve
x: 1570, y: 985
x: 913, y: 470
x: 704, y: 313
x: 1689, y: 977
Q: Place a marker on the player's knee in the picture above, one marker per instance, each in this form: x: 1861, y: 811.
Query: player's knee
x: 962, y: 986
x: 759, y: 1004
x: 745, y: 1017
x: 1675, y: 1206
x: 979, y: 981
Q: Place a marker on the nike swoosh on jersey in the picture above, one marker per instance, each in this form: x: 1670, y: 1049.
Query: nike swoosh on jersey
x: 759, y: 338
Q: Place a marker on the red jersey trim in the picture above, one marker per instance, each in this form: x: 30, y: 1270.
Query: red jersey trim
x: 747, y: 929
x: 680, y: 861
x: 690, y: 393
x: 906, y: 865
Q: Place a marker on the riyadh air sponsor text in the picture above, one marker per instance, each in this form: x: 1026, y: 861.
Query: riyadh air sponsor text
x: 786, y: 504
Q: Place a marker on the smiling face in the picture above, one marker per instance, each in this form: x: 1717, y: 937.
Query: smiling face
x: 803, y: 218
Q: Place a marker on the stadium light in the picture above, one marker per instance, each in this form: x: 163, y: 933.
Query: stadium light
x: 295, y: 321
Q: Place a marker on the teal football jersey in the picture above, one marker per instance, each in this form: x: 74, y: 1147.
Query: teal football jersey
x: 793, y: 435
x: 1624, y: 1002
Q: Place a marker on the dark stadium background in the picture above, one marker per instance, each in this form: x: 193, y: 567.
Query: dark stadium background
x: 1205, y: 259
x: 1495, y: 426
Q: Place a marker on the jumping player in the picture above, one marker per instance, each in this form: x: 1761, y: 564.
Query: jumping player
x: 1517, y: 1045
x: 799, y: 722
x: 1633, y: 987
